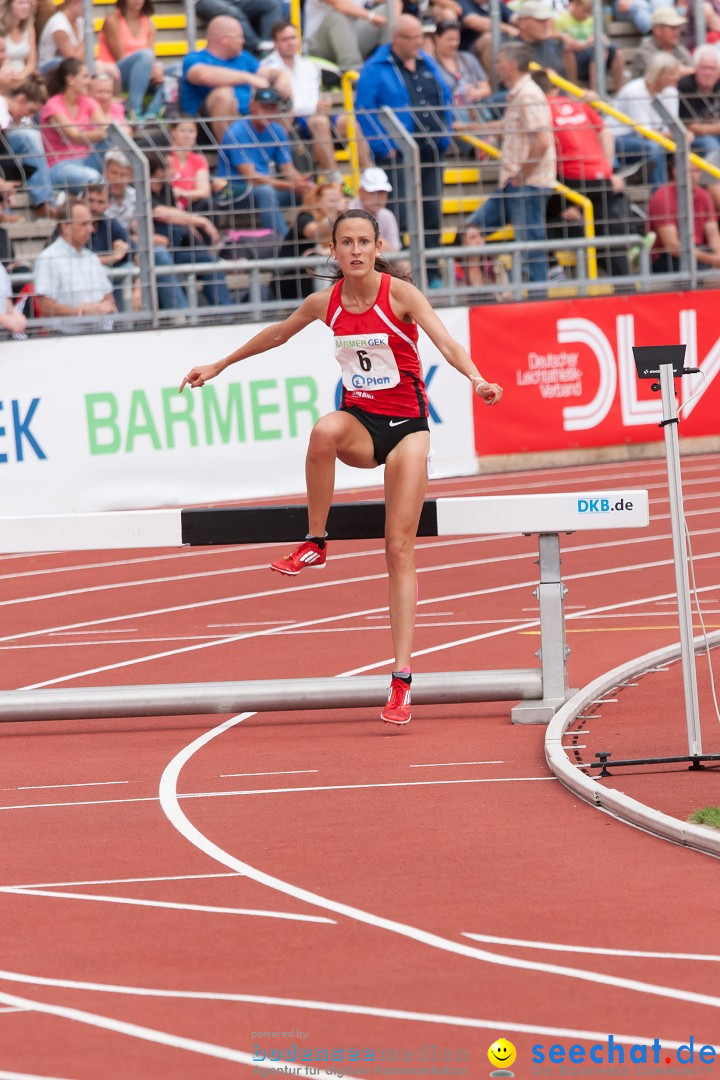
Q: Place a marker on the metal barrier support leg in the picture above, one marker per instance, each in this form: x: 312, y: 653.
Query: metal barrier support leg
x: 553, y: 650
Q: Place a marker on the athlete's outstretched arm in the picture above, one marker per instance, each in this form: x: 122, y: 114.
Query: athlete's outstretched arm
x: 314, y: 307
x: 408, y: 300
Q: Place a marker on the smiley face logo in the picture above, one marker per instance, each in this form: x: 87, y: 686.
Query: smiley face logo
x: 502, y: 1054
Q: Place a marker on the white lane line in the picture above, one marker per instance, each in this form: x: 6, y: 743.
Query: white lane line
x: 274, y: 631
x: 49, y: 787
x: 169, y: 905
x: 119, y: 881
x: 5, y: 1075
x: 340, y: 1007
x: 548, y: 946
x: 275, y: 791
x: 136, y: 1031
x: 282, y: 772
x: 170, y: 802
x: 447, y: 764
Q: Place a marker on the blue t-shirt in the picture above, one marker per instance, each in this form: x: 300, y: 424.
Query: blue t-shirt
x: 243, y: 144
x: 193, y: 97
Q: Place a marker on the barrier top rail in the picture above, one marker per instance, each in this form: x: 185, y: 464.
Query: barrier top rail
x: 555, y: 512
x: 623, y: 118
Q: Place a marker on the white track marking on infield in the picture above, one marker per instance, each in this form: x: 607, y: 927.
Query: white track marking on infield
x: 337, y: 1007
x: 548, y: 946
x: 92, y: 783
x: 119, y: 881
x: 447, y: 764
x: 170, y: 906
x: 281, y: 772
x: 5, y: 1075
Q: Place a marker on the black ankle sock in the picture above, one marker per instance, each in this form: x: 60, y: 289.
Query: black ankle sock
x: 319, y: 540
x: 406, y: 676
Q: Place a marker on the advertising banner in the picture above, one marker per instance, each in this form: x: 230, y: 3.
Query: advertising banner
x: 569, y: 376
x: 97, y: 423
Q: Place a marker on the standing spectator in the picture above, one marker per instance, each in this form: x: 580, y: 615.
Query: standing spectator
x: 666, y: 30
x: 217, y: 82
x: 190, y: 236
x: 585, y: 151
x: 255, y: 158
x: 463, y: 73
x: 257, y: 17
x: 663, y: 217
x: 12, y: 321
x: 405, y: 78
x: 528, y: 166
x: 127, y: 39
x: 310, y: 108
x: 122, y: 207
x: 17, y: 27
x: 635, y: 99
x: 373, y: 196
x: 700, y: 100
x: 25, y: 140
x: 69, y: 278
x: 72, y: 124
x: 576, y: 27
x: 346, y: 32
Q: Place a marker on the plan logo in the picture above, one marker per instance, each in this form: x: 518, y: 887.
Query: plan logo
x: 602, y: 506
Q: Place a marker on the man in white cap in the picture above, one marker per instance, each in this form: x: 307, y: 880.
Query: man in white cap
x: 536, y: 29
x: 373, y: 196
x: 666, y: 33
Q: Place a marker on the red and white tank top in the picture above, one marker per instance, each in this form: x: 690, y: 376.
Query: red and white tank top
x: 381, y: 369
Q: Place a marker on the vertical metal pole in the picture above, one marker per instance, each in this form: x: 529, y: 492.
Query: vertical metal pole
x: 600, y: 74
x: 89, y: 40
x: 686, y: 229
x: 682, y: 582
x: 413, y: 192
x: 495, y: 37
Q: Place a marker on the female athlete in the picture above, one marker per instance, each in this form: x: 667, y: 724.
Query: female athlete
x: 383, y: 417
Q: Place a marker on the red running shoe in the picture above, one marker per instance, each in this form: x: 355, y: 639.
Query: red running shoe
x: 307, y: 556
x: 397, y: 710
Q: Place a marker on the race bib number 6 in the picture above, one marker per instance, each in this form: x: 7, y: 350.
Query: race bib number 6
x: 367, y: 362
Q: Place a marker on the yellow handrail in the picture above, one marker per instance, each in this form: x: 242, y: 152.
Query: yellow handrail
x: 572, y: 196
x: 610, y: 110
x: 346, y: 84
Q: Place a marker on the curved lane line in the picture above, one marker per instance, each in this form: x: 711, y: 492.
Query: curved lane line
x: 171, y: 807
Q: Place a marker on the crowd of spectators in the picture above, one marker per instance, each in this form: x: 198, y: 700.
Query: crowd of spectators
x: 240, y: 143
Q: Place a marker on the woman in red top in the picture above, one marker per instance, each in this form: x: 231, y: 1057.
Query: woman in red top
x: 374, y: 316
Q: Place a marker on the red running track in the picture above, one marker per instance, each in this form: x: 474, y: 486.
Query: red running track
x: 176, y: 890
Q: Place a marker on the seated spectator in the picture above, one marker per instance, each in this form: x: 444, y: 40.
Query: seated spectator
x: 72, y: 125
x: 663, y: 220
x: 535, y: 23
x: 405, y: 78
x: 257, y: 17
x: 122, y: 207
x: 11, y: 321
x: 69, y: 278
x: 528, y: 167
x: 700, y: 100
x: 576, y: 27
x: 310, y: 234
x: 638, y: 12
x: 372, y: 196
x: 111, y: 111
x: 188, y: 169
x: 127, y: 39
x: 346, y: 32
x: 110, y: 241
x: 635, y: 99
x: 665, y: 36
x: 585, y: 155
x: 711, y: 11
x: 475, y: 28
x: 217, y: 81
x: 8, y: 78
x: 190, y: 236
x: 63, y: 37
x: 18, y: 29
x: 463, y: 73
x: 310, y: 108
x: 25, y: 140
x: 255, y: 158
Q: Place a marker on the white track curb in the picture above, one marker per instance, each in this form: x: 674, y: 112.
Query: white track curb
x: 700, y: 837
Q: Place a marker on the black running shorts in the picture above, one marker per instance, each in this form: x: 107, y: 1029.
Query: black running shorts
x: 387, y: 431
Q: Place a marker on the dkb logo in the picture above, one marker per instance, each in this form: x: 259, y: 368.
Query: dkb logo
x: 601, y: 506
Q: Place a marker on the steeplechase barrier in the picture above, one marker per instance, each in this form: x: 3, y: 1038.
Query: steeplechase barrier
x: 540, y: 691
